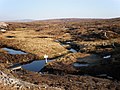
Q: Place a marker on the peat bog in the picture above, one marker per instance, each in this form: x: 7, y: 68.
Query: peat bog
x: 82, y: 54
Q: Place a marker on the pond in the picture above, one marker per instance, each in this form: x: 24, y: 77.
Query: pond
x: 35, y: 66
x: 13, y: 51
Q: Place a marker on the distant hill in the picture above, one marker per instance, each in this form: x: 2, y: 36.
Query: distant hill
x: 22, y: 20
x: 69, y: 20
x: 65, y: 20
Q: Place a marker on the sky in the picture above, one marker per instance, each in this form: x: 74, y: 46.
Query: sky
x: 53, y: 9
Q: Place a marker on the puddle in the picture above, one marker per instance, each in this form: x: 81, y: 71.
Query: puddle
x: 35, y: 66
x: 68, y: 42
x: 12, y: 51
x: 72, y: 50
x: 106, y: 57
x: 80, y: 65
x: 56, y: 40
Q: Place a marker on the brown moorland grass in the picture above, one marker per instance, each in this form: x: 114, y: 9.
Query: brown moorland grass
x: 30, y: 41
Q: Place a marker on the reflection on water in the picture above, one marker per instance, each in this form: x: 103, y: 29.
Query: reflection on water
x: 12, y: 51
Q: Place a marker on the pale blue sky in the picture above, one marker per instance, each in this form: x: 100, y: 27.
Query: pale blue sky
x: 49, y: 9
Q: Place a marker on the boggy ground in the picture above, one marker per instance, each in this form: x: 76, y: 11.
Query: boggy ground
x: 68, y: 82
x: 89, y: 37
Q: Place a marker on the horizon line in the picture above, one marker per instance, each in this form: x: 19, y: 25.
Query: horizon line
x: 30, y: 20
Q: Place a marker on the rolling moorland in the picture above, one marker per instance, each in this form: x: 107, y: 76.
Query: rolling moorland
x: 84, y: 54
